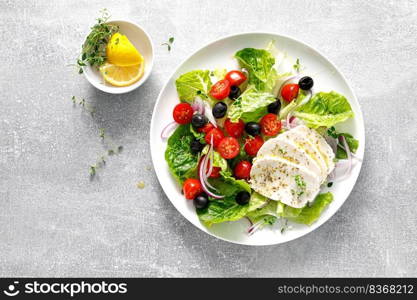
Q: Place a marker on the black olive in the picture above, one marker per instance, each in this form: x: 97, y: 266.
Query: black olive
x: 219, y: 110
x: 306, y: 83
x: 201, y: 201
x: 196, y: 146
x: 253, y: 128
x: 199, y: 120
x: 242, y: 198
x: 274, y: 107
x: 234, y: 92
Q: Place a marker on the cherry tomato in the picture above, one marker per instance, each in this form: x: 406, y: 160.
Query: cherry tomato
x: 242, y: 169
x: 290, y: 91
x: 191, y: 188
x: 253, y: 145
x: 270, y: 125
x: 217, y: 135
x: 235, y: 77
x: 215, y: 173
x: 206, y: 128
x: 220, y: 89
x: 228, y: 147
x: 183, y: 113
x: 234, y: 129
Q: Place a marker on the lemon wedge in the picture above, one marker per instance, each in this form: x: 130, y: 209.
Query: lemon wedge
x: 122, y: 76
x: 121, y: 52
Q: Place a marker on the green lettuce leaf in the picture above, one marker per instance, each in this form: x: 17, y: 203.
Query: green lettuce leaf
x: 222, y: 210
x: 324, y: 109
x: 219, y: 73
x: 309, y: 214
x: 250, y: 106
x: 193, y: 83
x: 352, y: 143
x: 259, y: 63
x: 267, y: 211
x: 181, y: 161
x: 242, y: 184
x: 227, y: 209
x: 256, y: 201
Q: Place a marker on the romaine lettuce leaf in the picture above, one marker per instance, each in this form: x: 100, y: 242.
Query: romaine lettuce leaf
x: 309, y: 214
x: 259, y: 63
x: 226, y: 209
x: 250, y: 106
x: 324, y: 109
x: 352, y: 143
x: 256, y: 201
x: 193, y: 83
x: 242, y: 184
x: 268, y: 210
x: 219, y: 73
x: 222, y: 210
x: 181, y: 161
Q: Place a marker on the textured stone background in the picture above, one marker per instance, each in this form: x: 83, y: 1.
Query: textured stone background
x: 54, y: 221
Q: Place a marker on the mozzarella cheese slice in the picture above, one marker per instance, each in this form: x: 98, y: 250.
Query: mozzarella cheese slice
x: 282, y: 180
x: 282, y: 146
x: 322, y: 146
x: 291, y: 167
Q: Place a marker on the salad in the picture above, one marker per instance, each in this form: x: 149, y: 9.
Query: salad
x: 257, y: 143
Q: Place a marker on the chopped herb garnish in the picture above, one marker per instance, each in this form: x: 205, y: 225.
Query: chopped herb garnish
x: 297, y: 65
x: 300, y: 184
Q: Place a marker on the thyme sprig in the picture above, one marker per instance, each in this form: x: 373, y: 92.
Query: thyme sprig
x: 101, y: 161
x: 93, y: 51
x: 169, y: 43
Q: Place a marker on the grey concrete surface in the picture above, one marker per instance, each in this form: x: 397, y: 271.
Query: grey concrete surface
x: 54, y: 221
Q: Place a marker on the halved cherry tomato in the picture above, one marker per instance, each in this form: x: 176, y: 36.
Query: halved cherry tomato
x: 215, y: 173
x: 191, y: 188
x: 235, y: 77
x: 242, y: 169
x: 220, y: 89
x: 234, y: 129
x: 206, y: 128
x: 228, y: 147
x: 183, y: 113
x: 290, y: 91
x: 217, y: 135
x: 252, y: 145
x: 270, y: 125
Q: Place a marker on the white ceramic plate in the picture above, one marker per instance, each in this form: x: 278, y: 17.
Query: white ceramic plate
x: 220, y: 54
x: 141, y: 40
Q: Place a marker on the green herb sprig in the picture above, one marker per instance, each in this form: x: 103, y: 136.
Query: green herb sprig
x: 101, y: 161
x: 169, y: 43
x: 94, y: 48
x: 81, y: 102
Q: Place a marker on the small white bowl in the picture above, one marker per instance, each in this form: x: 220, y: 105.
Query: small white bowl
x: 141, y: 40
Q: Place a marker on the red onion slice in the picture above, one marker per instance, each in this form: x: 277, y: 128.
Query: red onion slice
x: 198, y: 105
x: 204, y: 181
x: 209, y: 114
x: 166, y: 132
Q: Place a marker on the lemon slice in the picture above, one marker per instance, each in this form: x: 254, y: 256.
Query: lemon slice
x: 122, y: 76
x: 121, y: 52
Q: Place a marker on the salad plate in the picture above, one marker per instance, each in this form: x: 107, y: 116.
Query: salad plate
x: 292, y: 61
